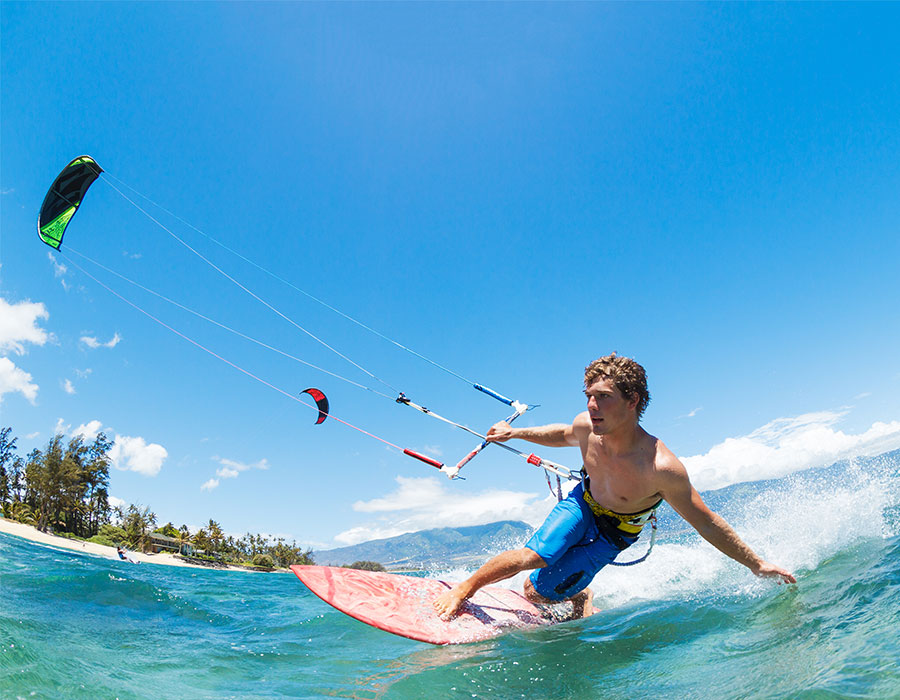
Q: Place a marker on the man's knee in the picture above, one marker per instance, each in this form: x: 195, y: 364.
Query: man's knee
x: 532, y: 595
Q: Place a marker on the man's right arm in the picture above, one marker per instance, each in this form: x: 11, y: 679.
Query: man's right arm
x: 555, y: 435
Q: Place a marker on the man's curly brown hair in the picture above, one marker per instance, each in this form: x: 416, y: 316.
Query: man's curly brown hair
x: 625, y: 374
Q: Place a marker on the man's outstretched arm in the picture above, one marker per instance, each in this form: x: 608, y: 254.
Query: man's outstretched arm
x: 555, y: 435
x: 683, y: 497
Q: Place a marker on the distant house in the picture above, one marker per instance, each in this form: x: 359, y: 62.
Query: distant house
x: 163, y: 543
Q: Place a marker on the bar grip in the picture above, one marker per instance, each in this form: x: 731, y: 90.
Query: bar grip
x: 491, y: 392
x: 423, y: 458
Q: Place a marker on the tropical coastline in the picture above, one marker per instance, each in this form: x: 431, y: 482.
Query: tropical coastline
x: 32, y: 534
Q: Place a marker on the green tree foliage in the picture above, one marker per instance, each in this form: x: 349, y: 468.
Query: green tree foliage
x: 366, y: 566
x: 286, y: 554
x: 109, y: 535
x: 64, y: 487
x: 263, y: 560
x: 138, y: 524
x: 17, y: 510
x: 215, y: 538
x: 168, y: 530
x: 7, y: 456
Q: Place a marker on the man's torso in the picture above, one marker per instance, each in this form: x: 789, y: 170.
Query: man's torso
x: 624, y: 483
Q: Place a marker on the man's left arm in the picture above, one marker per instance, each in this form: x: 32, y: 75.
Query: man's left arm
x: 683, y: 497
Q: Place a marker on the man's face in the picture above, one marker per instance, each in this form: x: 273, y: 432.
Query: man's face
x: 607, y: 407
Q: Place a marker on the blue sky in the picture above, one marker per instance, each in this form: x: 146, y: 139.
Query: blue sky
x: 509, y: 189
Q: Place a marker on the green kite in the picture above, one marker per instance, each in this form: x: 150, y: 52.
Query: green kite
x: 64, y: 198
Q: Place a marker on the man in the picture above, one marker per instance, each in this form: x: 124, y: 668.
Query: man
x: 628, y: 472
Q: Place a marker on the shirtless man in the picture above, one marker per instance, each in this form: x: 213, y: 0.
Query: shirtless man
x: 628, y: 473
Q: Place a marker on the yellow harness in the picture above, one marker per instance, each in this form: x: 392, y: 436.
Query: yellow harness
x: 632, y: 523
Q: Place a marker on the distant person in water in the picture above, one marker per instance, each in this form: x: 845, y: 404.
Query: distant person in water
x: 627, y: 474
x: 123, y: 555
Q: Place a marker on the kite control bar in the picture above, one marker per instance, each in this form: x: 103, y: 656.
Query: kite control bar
x: 453, y: 472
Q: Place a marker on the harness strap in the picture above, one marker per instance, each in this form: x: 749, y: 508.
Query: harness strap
x: 649, y: 549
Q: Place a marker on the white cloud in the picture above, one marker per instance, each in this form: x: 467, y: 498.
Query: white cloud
x: 61, y: 427
x: 83, y: 373
x: 59, y: 270
x: 68, y: 387
x: 14, y: 379
x: 692, y: 413
x: 89, y: 431
x: 787, y: 445
x: 230, y: 465
x: 93, y: 343
x: 19, y: 325
x: 209, y: 485
x: 421, y: 503
x: 115, y: 502
x: 32, y: 436
x: 134, y: 454
x: 230, y: 470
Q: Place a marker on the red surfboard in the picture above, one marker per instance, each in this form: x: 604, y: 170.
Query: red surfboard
x: 402, y: 605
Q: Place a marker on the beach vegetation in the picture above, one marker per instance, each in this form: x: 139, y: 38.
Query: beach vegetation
x: 19, y: 511
x: 109, y: 535
x: 168, y: 530
x: 137, y: 522
x: 263, y: 560
x: 105, y: 541
x: 366, y: 566
x: 64, y: 488
x: 7, y: 455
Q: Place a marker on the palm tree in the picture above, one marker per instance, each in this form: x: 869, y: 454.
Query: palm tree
x: 214, y: 535
x: 184, y: 538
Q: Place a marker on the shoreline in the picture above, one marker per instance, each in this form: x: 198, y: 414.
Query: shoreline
x: 30, y: 533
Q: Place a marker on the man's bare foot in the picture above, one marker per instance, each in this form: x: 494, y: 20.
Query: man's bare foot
x: 448, y: 604
x: 582, y: 604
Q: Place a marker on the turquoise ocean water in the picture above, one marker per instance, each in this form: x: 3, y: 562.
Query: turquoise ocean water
x: 687, y: 623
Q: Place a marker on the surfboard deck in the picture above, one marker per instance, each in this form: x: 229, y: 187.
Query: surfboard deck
x: 402, y: 605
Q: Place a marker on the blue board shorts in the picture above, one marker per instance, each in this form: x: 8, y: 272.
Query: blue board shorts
x: 572, y: 544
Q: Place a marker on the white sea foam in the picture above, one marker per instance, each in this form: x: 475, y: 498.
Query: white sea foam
x: 797, y: 522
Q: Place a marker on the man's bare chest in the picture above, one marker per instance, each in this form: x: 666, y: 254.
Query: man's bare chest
x: 622, y: 485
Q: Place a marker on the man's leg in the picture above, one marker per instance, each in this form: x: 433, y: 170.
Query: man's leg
x: 500, y: 567
x: 582, y: 604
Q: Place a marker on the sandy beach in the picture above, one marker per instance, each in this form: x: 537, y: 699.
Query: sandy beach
x: 11, y: 527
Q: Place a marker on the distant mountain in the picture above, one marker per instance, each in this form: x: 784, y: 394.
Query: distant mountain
x: 445, y: 547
